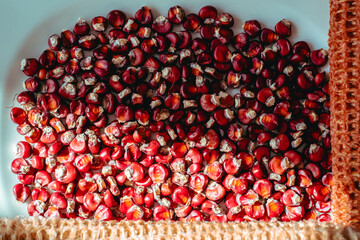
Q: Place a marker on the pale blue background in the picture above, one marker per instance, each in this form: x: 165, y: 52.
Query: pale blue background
x: 26, y: 24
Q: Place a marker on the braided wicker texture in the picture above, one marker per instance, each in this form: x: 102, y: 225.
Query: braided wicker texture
x: 344, y: 43
x: 54, y: 228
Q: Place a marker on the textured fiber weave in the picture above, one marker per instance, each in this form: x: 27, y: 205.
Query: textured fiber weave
x: 55, y: 228
x: 344, y: 43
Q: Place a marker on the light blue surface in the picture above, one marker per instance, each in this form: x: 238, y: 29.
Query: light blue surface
x: 26, y: 25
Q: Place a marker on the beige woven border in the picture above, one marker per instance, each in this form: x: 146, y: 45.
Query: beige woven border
x: 55, y: 228
x: 344, y: 43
